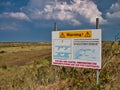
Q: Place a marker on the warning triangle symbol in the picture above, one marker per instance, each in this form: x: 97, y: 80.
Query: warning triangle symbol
x: 87, y: 34
x: 62, y: 35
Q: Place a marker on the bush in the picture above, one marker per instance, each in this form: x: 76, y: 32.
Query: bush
x: 2, y: 52
x: 4, y: 66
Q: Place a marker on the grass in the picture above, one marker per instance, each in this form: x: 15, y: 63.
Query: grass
x: 38, y: 73
x: 17, y: 47
x: 21, y: 52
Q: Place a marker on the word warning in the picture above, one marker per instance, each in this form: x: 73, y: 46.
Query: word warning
x: 76, y: 34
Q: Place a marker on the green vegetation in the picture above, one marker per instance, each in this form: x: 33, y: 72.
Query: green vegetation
x: 27, y: 66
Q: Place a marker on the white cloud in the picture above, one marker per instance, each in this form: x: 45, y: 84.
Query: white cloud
x: 9, y: 26
x: 113, y: 15
x: 10, y: 20
x: 16, y: 15
x: 114, y: 11
x: 115, y: 7
x: 19, y: 15
x: 76, y: 12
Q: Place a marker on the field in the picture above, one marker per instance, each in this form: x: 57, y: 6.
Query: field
x: 27, y: 66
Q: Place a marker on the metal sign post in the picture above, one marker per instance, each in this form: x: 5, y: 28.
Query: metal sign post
x: 54, y: 77
x: 97, y: 70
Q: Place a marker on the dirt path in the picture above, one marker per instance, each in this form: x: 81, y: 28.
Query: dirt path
x: 30, y: 56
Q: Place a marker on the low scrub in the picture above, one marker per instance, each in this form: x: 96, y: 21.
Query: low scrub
x: 39, y: 74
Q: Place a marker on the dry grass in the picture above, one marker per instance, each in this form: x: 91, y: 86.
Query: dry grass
x: 38, y: 74
x: 21, y: 53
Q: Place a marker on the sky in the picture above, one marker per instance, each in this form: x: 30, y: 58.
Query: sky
x: 33, y: 20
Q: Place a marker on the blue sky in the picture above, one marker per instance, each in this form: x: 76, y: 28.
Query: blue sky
x: 33, y: 20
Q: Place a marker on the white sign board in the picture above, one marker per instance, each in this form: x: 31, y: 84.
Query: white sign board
x: 77, y: 48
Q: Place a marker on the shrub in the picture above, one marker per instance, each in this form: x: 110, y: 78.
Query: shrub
x: 1, y: 52
x: 4, y: 66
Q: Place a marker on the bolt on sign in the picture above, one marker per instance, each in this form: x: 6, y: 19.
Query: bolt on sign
x: 77, y: 48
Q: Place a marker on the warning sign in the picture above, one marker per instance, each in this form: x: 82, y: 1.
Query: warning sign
x: 76, y: 34
x: 77, y: 48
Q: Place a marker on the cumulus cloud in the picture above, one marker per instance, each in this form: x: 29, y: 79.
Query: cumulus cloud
x: 114, y: 11
x: 7, y: 24
x: 74, y: 11
x: 16, y: 15
x: 113, y: 15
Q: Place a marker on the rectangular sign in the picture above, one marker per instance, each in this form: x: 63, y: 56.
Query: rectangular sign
x: 77, y: 48
x: 76, y: 34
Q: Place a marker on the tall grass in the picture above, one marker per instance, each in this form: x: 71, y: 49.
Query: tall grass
x: 39, y: 75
